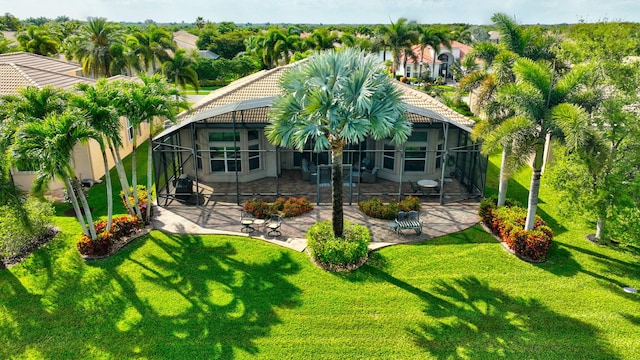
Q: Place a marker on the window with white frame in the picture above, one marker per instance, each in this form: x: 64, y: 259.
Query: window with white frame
x: 254, y: 154
x: 224, y: 151
x: 415, y: 152
x: 388, y: 156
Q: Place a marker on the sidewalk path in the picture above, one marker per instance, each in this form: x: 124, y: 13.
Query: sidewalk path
x: 224, y: 218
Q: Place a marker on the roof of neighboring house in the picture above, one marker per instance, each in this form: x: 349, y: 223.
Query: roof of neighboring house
x: 40, y: 62
x: 208, y: 54
x: 16, y: 76
x: 185, y: 40
x: 253, y: 94
x: 427, y: 57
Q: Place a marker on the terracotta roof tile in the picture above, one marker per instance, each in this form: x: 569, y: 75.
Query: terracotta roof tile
x: 15, y: 76
x: 40, y: 62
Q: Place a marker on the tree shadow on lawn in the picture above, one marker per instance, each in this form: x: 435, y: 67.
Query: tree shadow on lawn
x: 466, y: 318
x: 188, y: 300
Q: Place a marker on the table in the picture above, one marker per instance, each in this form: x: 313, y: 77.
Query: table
x: 430, y: 185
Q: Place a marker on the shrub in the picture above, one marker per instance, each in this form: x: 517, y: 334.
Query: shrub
x: 286, y: 207
x: 375, y: 208
x: 15, y: 234
x: 508, y: 223
x: 122, y: 226
x: 142, y: 199
x: 338, y: 253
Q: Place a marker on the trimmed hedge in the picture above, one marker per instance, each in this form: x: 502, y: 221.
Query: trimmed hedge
x: 508, y: 223
x: 379, y: 210
x: 338, y: 253
x: 286, y: 207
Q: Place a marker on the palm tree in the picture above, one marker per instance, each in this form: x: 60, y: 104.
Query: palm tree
x: 322, y: 39
x: 143, y: 103
x: 400, y: 37
x: 199, y: 22
x: 153, y: 46
x: 95, y: 43
x: 51, y: 142
x: 96, y: 102
x: 538, y: 101
x: 180, y: 70
x: 434, y: 38
x: 38, y: 41
x: 335, y: 99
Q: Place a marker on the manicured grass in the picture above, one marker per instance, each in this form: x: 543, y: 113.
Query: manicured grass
x: 460, y: 296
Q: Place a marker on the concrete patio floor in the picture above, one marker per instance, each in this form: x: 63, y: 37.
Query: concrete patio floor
x: 224, y: 218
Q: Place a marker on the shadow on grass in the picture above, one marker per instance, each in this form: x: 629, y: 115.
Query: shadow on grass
x: 184, y: 299
x: 466, y: 318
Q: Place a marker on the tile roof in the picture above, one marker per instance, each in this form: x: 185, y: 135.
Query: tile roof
x: 15, y: 76
x: 264, y: 85
x: 41, y: 62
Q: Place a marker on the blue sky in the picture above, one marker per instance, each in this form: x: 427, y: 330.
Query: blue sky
x: 331, y: 11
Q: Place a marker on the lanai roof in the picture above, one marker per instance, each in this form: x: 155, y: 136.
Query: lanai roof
x: 253, y: 95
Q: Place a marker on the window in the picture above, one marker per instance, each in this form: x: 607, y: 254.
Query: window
x: 388, y: 157
x: 415, y: 156
x: 129, y: 130
x: 223, y: 152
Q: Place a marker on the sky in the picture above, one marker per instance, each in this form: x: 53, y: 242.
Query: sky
x: 330, y: 11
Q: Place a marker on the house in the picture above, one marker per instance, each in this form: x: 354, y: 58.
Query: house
x: 21, y: 69
x: 421, y: 63
x: 186, y: 40
x: 221, y: 143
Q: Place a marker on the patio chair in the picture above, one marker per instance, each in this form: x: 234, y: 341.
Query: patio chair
x: 369, y: 177
x: 273, y: 224
x: 417, y: 189
x: 246, y: 219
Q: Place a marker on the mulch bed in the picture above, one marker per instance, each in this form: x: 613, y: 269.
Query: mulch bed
x: 119, y: 244
x: 34, y: 244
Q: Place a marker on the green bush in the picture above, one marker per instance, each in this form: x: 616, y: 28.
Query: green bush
x: 375, y: 208
x: 508, y: 222
x: 338, y: 253
x: 122, y: 226
x: 15, y: 235
x: 286, y: 207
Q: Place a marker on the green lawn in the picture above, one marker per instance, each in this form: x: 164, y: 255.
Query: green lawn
x: 208, y: 297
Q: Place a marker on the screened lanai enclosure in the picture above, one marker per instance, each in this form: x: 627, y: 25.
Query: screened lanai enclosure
x: 219, y: 153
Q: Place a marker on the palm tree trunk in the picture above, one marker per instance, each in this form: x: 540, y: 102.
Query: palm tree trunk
x: 149, y: 174
x: 502, y: 188
x: 122, y: 175
x: 134, y: 174
x: 534, y: 188
x: 76, y: 207
x: 107, y: 178
x: 336, y: 193
x: 599, y: 229
x: 87, y: 209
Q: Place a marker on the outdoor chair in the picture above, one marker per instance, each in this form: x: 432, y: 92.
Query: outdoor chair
x: 410, y: 220
x: 369, y: 177
x: 417, y: 189
x: 246, y: 219
x: 273, y: 224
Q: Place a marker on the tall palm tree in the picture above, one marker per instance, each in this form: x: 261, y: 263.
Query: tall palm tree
x: 269, y: 46
x: 38, y: 41
x: 153, y: 46
x: 180, y: 70
x: 434, y: 38
x: 538, y: 100
x: 335, y: 99
x: 51, y: 142
x: 400, y: 38
x: 145, y: 102
x: 94, y: 51
x: 322, y: 39
x: 96, y: 102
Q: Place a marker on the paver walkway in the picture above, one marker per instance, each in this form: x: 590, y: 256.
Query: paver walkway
x: 224, y: 218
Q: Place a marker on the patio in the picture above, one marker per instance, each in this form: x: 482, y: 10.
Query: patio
x: 216, y: 217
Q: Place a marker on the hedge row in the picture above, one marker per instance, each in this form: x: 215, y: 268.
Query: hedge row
x: 286, y: 207
x: 379, y: 210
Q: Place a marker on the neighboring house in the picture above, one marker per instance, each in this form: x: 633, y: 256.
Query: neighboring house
x: 417, y: 66
x: 19, y: 70
x: 187, y: 41
x: 222, y: 140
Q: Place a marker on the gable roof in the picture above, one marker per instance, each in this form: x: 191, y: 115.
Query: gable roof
x: 41, y: 62
x: 258, y: 90
x: 185, y: 40
x: 16, y: 76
